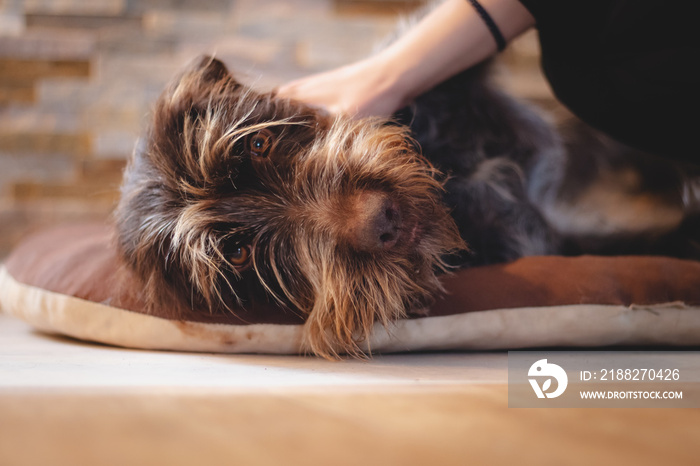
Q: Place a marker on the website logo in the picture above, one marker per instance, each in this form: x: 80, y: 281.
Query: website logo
x: 546, y: 372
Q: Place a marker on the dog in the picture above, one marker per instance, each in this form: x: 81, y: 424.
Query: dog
x: 234, y: 196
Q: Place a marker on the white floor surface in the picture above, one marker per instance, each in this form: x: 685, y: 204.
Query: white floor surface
x: 34, y: 360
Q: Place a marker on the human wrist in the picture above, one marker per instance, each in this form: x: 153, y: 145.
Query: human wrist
x: 386, y: 89
x: 399, y: 77
x: 451, y: 38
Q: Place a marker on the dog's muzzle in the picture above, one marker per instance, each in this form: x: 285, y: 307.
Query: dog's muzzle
x: 375, y: 223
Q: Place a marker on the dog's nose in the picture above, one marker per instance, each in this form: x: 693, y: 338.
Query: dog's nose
x: 375, y: 226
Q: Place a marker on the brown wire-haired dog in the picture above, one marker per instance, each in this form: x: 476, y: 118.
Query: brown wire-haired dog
x: 236, y: 193
x: 236, y: 197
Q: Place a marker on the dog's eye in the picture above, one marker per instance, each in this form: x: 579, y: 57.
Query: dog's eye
x: 240, y: 257
x: 259, y: 144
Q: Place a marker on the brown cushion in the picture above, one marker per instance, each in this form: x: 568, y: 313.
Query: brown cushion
x: 67, y: 280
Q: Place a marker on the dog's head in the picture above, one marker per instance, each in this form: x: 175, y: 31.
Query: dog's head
x: 235, y: 194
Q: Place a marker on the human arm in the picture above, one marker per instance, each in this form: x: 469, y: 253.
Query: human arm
x: 450, y: 39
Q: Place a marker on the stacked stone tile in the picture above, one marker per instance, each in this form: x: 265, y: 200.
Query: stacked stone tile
x: 77, y: 79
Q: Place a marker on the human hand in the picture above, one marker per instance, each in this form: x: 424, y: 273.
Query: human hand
x: 358, y: 90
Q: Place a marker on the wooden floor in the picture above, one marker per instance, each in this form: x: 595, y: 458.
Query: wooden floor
x: 64, y: 402
x: 460, y: 425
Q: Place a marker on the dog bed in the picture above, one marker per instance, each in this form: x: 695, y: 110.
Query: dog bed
x: 67, y: 281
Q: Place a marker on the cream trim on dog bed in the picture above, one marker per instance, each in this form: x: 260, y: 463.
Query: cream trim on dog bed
x: 573, y: 325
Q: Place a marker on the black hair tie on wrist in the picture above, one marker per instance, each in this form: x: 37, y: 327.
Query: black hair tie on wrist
x: 495, y: 32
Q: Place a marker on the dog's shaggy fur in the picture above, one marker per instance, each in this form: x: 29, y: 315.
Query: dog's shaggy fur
x: 236, y: 196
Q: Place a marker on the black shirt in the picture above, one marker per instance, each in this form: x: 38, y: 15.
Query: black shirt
x: 630, y: 68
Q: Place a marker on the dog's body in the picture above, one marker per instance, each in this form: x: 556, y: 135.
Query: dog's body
x: 522, y: 185
x: 236, y: 197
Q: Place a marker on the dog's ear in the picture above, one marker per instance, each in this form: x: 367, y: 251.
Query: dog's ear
x: 211, y: 69
x: 189, y: 102
x: 204, y: 79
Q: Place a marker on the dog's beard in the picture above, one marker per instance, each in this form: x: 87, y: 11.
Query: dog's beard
x: 350, y: 297
x: 343, y: 294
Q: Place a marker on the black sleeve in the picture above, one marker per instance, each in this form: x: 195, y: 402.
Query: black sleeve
x: 627, y: 67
